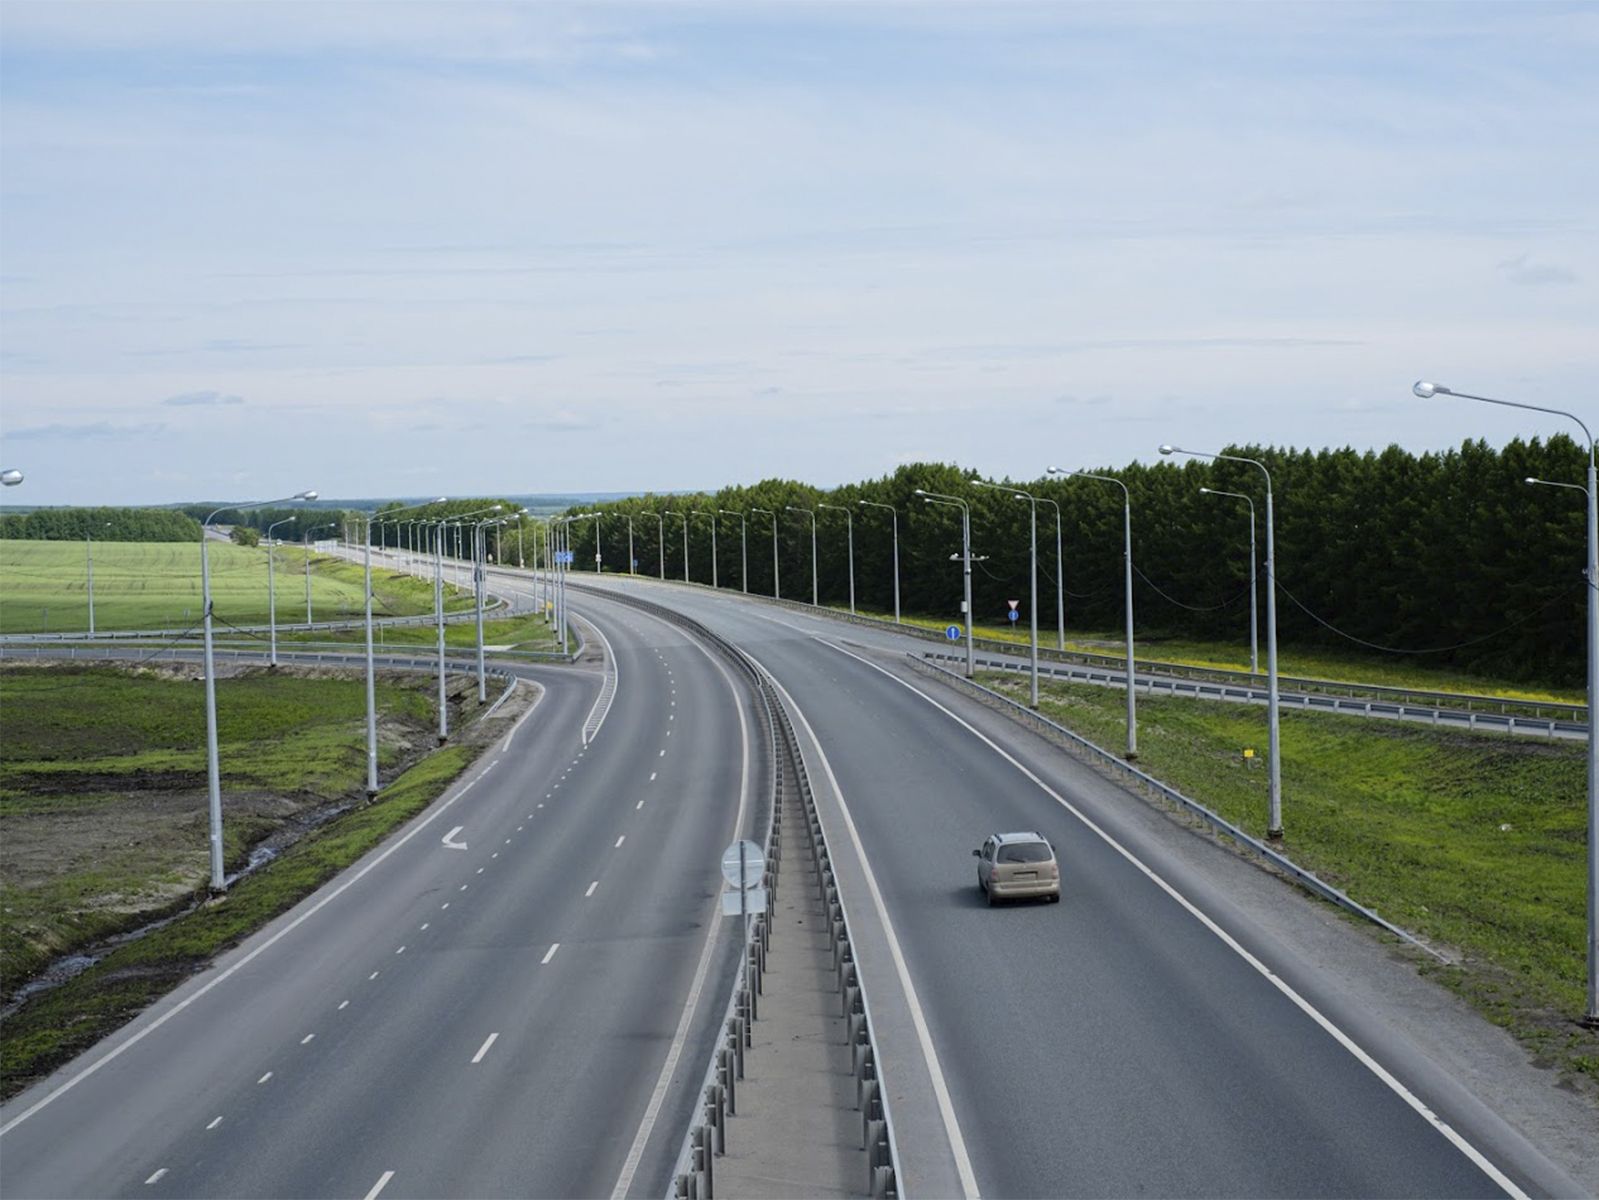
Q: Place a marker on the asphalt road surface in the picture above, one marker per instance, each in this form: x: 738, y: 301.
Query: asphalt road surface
x: 1145, y: 1036
x: 516, y: 998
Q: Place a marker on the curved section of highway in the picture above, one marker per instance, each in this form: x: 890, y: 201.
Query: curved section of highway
x: 515, y: 996
x: 1150, y: 1034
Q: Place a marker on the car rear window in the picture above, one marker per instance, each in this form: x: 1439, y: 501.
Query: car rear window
x: 1025, y: 852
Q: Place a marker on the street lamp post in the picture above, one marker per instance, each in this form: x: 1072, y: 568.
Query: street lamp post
x: 712, y: 515
x: 743, y: 548
x: 632, y: 561
x: 1032, y: 549
x: 1127, y: 555
x: 894, y: 517
x: 810, y: 512
x: 660, y: 533
x: 777, y: 587
x: 966, y: 559
x: 213, y: 769
x: 88, y: 544
x: 849, y: 518
x: 1274, y: 773
x: 673, y: 513
x: 307, y: 536
x: 1428, y: 390
x: 272, y: 588
x: 371, y: 667
x: 1060, y: 577
x: 1254, y: 657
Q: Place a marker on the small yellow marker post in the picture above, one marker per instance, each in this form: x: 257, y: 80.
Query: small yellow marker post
x: 1249, y: 758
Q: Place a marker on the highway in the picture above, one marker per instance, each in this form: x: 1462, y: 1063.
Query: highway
x: 518, y: 995
x: 515, y: 998
x: 1143, y: 1037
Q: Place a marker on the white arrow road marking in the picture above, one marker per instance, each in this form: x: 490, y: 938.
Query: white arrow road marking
x: 449, y: 839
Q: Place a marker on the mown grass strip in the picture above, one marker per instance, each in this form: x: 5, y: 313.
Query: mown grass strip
x: 70, y: 1019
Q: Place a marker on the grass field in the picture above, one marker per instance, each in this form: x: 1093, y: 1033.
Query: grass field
x: 1473, y: 841
x: 144, y: 585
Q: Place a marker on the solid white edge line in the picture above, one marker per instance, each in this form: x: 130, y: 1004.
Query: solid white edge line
x: 616, y: 674
x: 924, y: 1036
x: 1366, y: 1060
x: 333, y: 895
x: 377, y: 1187
x: 156, y: 1178
x: 484, y: 1048
x: 652, y: 1111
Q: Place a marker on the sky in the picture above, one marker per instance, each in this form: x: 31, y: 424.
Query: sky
x: 400, y: 249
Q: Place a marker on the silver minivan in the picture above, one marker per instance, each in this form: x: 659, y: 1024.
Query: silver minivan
x: 1016, y: 865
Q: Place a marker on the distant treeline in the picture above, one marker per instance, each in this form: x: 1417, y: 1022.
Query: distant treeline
x: 1451, y: 557
x: 101, y: 525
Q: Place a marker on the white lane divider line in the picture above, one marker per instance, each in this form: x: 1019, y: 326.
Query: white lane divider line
x: 653, y: 774
x: 638, y: 806
x: 444, y: 906
x: 215, y: 1123
x: 663, y: 754
x: 484, y: 1048
x: 401, y: 950
x: 377, y: 1187
x: 371, y: 977
x: 590, y: 892
x: 550, y: 954
x: 343, y: 1004
x: 156, y: 1178
x: 264, y: 1078
x: 619, y: 842
x: 306, y: 1040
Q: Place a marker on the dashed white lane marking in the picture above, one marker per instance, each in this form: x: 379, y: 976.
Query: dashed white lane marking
x: 156, y: 1178
x: 638, y: 806
x: 653, y: 774
x: 306, y: 1040
x: 377, y: 1187
x: 663, y: 753
x: 619, y: 842
x: 550, y: 954
x: 343, y: 1004
x: 484, y: 1048
x: 371, y: 977
x: 401, y: 950
x: 265, y: 1077
x: 444, y: 906
x: 590, y: 892
x: 215, y: 1123
x: 480, y: 870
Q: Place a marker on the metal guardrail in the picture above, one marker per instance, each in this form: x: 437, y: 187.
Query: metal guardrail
x: 1379, y: 694
x: 1105, y: 758
x: 1154, y: 684
x: 694, y: 1177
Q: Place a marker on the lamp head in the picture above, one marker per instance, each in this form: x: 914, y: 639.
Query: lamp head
x: 1168, y: 448
x: 1053, y: 471
x: 10, y: 478
x: 919, y: 492
x: 1530, y: 479
x: 1205, y: 491
x: 1428, y: 390
x: 306, y: 496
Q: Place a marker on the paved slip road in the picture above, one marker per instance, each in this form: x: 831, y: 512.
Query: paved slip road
x: 491, y: 1020
x: 1146, y: 1036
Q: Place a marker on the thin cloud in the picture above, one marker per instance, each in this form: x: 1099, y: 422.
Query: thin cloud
x: 1524, y: 271
x: 93, y: 431
x: 207, y: 397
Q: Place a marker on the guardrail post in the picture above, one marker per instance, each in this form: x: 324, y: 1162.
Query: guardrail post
x: 701, y: 1160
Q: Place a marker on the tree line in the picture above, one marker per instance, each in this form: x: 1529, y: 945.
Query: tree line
x: 101, y: 525
x: 1451, y: 557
